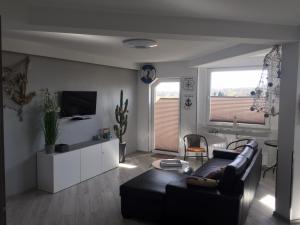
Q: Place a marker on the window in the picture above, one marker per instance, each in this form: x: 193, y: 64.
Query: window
x: 230, y: 97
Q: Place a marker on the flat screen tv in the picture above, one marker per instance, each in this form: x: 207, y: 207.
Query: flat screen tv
x: 78, y: 103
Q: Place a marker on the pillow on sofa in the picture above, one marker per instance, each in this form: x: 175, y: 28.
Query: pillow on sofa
x: 201, y: 182
x: 216, y: 174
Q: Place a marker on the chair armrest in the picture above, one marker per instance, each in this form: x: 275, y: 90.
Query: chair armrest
x: 225, y: 154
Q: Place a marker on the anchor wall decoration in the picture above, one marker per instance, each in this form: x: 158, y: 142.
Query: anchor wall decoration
x: 188, y: 102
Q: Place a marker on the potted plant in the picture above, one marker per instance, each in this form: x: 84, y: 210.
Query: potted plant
x: 121, y: 113
x: 50, y: 119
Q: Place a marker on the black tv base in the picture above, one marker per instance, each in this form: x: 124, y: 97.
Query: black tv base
x: 74, y: 118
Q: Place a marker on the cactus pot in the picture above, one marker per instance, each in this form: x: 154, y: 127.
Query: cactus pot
x: 122, y: 152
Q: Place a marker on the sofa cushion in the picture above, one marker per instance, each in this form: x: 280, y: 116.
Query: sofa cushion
x: 217, y: 174
x: 232, y: 173
x: 225, y: 154
x: 210, y: 166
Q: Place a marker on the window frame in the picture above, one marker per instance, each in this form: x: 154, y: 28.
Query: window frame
x: 267, y: 124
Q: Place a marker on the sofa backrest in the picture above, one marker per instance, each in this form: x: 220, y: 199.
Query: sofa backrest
x: 253, y: 143
x: 248, y: 152
x: 248, y: 184
x: 236, y: 169
x: 232, y: 173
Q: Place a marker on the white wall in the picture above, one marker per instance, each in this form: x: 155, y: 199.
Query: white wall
x: 288, y: 180
x: 143, y: 115
x: 187, y: 117
x: 295, y: 204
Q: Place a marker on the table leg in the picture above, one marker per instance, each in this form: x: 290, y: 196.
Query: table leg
x: 270, y: 168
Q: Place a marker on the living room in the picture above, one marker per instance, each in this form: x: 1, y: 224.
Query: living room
x: 156, y: 57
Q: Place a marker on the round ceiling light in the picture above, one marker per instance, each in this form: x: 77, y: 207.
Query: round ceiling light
x: 140, y: 43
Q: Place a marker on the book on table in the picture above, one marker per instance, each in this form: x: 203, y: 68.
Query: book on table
x: 170, y: 163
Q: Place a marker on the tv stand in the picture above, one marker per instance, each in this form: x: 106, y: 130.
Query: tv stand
x: 74, y: 118
x: 83, y: 161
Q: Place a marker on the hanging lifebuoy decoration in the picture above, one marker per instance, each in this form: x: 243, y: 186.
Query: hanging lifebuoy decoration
x: 148, y: 73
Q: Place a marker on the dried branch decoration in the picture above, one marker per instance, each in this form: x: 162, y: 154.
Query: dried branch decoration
x: 15, y: 86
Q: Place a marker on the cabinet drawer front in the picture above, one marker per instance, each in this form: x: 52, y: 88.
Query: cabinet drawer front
x: 66, y: 170
x: 90, y: 162
x: 110, y: 155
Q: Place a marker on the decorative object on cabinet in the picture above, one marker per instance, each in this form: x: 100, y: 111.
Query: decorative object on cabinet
x: 121, y: 113
x: 266, y: 95
x: 15, y: 86
x: 50, y: 119
x: 96, y: 137
x: 106, y: 133
x: 188, y: 83
x: 148, y: 73
x: 61, y: 148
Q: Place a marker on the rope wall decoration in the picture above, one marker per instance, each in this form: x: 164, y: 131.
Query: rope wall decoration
x: 266, y: 94
x: 15, y: 86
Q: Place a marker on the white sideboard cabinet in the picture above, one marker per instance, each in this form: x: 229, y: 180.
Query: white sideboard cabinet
x: 83, y: 161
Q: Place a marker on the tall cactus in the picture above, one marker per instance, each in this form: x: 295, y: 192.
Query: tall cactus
x: 121, y: 114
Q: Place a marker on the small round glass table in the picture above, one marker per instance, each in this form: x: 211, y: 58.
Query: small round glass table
x: 185, y: 167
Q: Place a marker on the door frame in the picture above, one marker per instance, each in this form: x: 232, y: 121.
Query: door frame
x: 151, y: 120
x: 2, y: 166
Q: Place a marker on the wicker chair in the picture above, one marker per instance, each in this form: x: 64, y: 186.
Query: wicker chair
x: 195, y: 143
x: 238, y: 144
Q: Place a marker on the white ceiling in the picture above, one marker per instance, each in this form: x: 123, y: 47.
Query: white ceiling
x: 264, y: 11
x: 40, y: 34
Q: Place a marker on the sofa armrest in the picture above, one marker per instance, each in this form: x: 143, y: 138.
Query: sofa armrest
x: 225, y: 154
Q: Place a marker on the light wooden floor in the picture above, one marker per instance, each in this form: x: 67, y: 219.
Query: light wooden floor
x: 97, y: 201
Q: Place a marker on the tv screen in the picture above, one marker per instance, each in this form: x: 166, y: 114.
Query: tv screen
x: 74, y: 103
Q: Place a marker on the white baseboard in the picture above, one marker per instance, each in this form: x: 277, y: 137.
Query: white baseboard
x: 166, y: 152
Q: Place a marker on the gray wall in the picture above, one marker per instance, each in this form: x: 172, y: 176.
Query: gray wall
x: 23, y: 139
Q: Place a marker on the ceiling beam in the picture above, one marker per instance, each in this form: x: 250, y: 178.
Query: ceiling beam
x: 132, y: 25
x: 34, y: 48
x: 231, y: 52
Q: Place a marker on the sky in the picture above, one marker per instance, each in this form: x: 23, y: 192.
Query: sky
x: 219, y: 80
x: 235, y: 79
x: 168, y: 87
